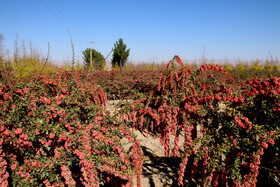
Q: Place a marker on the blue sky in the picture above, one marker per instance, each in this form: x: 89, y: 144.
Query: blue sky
x: 155, y: 30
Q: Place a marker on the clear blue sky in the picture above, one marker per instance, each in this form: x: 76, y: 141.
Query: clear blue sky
x: 155, y: 30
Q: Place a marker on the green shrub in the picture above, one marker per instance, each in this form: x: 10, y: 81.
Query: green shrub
x: 256, y: 66
x: 240, y: 66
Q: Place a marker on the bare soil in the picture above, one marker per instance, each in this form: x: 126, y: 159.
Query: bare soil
x: 158, y: 170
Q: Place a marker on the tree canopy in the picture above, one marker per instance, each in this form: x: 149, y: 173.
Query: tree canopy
x: 120, y: 55
x: 98, y: 61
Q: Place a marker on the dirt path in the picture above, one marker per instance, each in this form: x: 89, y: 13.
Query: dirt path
x: 158, y: 170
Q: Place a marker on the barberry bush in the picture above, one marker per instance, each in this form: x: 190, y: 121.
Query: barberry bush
x: 120, y: 85
x: 55, y: 132
x: 226, y: 126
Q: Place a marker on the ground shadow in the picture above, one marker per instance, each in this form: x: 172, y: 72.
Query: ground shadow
x: 165, y: 167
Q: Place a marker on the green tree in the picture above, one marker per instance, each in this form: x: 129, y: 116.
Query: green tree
x: 98, y: 61
x: 120, y: 54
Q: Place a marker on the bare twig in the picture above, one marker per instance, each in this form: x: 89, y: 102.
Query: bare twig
x: 73, y: 51
x: 108, y: 54
x: 272, y: 60
x: 46, y: 61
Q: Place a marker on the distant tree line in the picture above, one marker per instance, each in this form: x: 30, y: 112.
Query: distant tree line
x: 97, y: 60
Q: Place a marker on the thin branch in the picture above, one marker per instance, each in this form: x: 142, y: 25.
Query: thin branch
x: 271, y: 57
x: 46, y: 61
x: 73, y: 51
x: 108, y: 54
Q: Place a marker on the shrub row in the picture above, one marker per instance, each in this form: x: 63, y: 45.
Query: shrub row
x: 231, y: 130
x: 54, y: 132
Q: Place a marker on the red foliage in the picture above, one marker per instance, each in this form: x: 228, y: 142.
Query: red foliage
x: 184, y: 100
x: 55, y: 132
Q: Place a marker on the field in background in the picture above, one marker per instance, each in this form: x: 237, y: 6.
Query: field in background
x: 25, y: 62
